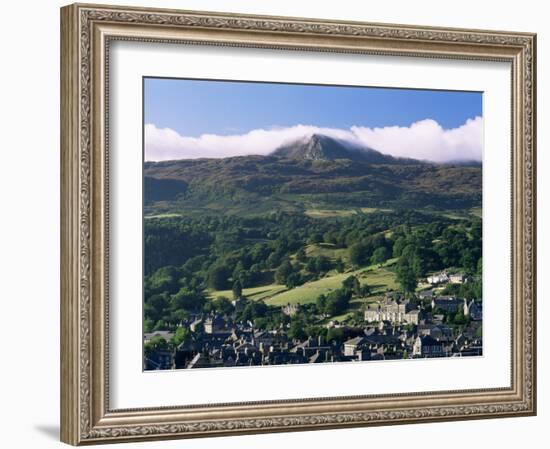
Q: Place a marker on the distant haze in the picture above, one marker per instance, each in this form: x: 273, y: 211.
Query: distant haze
x: 424, y: 140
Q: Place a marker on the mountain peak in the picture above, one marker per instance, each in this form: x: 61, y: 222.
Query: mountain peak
x: 323, y: 147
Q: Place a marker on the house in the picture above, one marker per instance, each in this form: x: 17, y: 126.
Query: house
x: 214, y: 324
x: 448, y: 304
x: 426, y: 294
x: 194, y: 326
x: 167, y: 335
x: 457, y: 278
x: 474, y: 310
x: 204, y: 361
x: 159, y: 359
x: 382, y: 341
x: 468, y: 344
x: 290, y: 309
x: 394, y: 311
x: 363, y: 354
x: 316, y: 358
x: 352, y: 345
x: 263, y: 338
x: 441, y: 278
x: 427, y: 346
x: 437, y: 331
x: 412, y: 317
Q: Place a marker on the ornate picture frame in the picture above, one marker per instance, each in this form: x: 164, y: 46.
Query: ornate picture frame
x: 86, y: 34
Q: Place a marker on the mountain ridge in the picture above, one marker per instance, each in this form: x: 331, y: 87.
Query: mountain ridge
x: 323, y: 147
x: 252, y: 183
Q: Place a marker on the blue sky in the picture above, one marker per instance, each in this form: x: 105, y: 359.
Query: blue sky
x: 196, y: 119
x: 195, y: 107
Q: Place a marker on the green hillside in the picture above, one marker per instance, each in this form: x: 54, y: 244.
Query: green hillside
x: 257, y: 185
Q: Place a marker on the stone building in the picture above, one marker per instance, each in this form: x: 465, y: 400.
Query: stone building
x: 427, y: 346
x: 394, y: 311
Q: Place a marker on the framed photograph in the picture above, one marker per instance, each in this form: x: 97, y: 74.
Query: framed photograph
x: 279, y: 224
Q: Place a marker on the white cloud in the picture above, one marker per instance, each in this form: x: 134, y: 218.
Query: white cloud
x: 425, y: 140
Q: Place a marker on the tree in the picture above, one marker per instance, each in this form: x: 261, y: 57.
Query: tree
x: 321, y: 303
x: 337, y: 301
x: 223, y: 305
x: 406, y: 276
x: 294, y: 280
x: 310, y: 265
x: 239, y: 267
x: 274, y: 259
x: 479, y: 332
x: 335, y: 334
x: 254, y: 310
x: 160, y: 325
x: 182, y: 334
x: 364, y: 290
x: 186, y: 299
x: 244, y: 278
x: 468, y: 261
x: 148, y: 325
x: 296, y: 329
x: 165, y: 279
x: 261, y: 323
x: 155, y: 344
x: 179, y: 316
x: 284, y: 270
x: 156, y: 306
x: 339, y: 265
x: 301, y: 255
x: 322, y: 264
x: 316, y: 237
x: 237, y: 289
x: 398, y: 246
x: 359, y: 254
x: 380, y: 255
x: 459, y: 318
x: 352, y: 284
x: 217, y: 277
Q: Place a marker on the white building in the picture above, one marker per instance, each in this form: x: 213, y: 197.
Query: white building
x: 441, y: 278
x: 393, y: 311
x: 457, y: 278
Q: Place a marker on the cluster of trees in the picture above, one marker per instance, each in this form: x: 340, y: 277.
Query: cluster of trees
x: 375, y: 249
x: 334, y: 302
x: 469, y: 290
x: 186, y: 256
x: 243, y: 247
x: 305, y: 269
x: 435, y: 247
x: 172, y: 242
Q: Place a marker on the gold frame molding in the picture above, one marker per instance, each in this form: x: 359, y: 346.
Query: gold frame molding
x: 86, y: 31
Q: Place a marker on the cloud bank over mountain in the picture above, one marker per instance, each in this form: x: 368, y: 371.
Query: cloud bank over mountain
x: 424, y: 140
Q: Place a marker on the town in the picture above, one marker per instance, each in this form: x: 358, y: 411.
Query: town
x: 392, y: 326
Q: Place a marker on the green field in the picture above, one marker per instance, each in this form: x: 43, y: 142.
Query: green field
x: 315, y: 212
x: 256, y: 293
x: 370, y: 210
x: 308, y: 292
x: 328, y: 250
x: 379, y: 279
x: 329, y: 213
x: 168, y: 215
x: 463, y: 214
